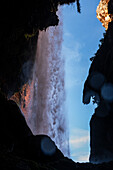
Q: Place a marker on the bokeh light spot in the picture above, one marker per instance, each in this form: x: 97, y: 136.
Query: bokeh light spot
x: 97, y: 80
x: 47, y: 146
x: 107, y: 92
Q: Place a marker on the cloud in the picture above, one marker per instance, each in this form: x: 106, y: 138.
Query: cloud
x: 72, y: 52
x: 79, y: 145
x: 77, y: 132
x: 83, y: 158
x: 72, y: 83
x: 67, y: 34
x: 79, y: 141
x: 72, y: 55
x: 80, y: 157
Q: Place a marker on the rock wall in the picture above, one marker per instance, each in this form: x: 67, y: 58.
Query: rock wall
x: 99, y: 86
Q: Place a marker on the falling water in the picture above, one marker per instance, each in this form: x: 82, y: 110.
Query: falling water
x: 44, y: 100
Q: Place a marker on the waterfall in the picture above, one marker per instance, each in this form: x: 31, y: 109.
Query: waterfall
x: 44, y: 98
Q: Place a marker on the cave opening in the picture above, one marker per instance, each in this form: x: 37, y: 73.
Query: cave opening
x: 49, y: 80
x: 81, y: 34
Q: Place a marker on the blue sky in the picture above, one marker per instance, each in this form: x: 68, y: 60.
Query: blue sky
x: 82, y: 33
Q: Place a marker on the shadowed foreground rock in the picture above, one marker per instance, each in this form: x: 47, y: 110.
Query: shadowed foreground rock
x: 9, y: 161
x: 21, y: 150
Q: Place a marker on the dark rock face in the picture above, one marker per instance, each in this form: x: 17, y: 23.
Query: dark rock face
x: 101, y: 139
x: 13, y: 127
x: 20, y: 23
x: 18, y: 138
x: 42, y: 149
x: 99, y: 85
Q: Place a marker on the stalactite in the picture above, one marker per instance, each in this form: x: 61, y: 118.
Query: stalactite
x: 78, y: 6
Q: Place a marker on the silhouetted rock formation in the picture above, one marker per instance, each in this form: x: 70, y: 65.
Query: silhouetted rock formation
x: 13, y: 127
x: 11, y: 161
x: 99, y: 85
x: 16, y: 136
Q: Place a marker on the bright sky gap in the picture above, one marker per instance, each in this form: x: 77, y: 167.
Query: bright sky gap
x: 82, y: 33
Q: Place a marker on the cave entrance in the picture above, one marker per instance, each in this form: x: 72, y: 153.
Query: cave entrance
x: 82, y: 33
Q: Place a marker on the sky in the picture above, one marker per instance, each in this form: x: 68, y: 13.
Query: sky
x: 81, y: 35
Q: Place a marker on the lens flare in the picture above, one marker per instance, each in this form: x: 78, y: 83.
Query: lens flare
x: 107, y: 92
x: 47, y: 146
x: 96, y: 80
